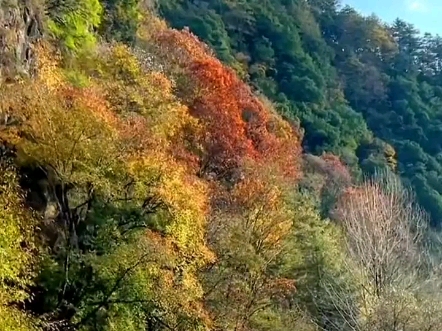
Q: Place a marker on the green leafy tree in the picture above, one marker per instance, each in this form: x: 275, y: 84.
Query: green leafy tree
x: 17, y: 260
x: 120, y: 21
x: 73, y: 22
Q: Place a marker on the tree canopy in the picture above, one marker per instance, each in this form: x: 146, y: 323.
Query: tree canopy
x: 218, y: 166
x: 364, y: 90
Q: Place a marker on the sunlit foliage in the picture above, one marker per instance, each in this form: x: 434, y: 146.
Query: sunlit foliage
x: 146, y: 186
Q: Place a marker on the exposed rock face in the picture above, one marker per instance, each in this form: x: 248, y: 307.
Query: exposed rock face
x: 20, y: 28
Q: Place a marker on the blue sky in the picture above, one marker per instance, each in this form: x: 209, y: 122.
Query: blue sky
x: 426, y: 15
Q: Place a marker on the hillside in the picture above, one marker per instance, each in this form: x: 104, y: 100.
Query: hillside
x: 366, y: 91
x: 153, y: 182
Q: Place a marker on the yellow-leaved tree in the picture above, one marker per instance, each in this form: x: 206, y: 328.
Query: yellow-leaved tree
x: 16, y: 259
x: 114, y: 157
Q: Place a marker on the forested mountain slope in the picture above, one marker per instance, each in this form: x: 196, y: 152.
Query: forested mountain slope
x: 145, y: 186
x: 366, y: 91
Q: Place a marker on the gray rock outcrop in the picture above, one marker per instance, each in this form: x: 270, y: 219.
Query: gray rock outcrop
x: 20, y: 29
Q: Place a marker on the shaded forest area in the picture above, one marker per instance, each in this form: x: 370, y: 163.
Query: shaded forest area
x: 229, y: 176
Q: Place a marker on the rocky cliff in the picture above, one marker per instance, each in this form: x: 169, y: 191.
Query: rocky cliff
x: 20, y: 28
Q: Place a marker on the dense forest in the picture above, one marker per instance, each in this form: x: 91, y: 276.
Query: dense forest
x: 366, y: 91
x: 217, y: 165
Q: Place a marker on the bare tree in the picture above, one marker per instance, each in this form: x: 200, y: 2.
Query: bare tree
x: 384, y: 228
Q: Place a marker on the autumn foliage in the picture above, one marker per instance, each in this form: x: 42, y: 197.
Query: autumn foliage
x: 145, y: 187
x: 237, y: 124
x: 142, y: 156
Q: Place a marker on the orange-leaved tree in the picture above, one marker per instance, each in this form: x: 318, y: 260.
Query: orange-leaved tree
x: 237, y: 124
